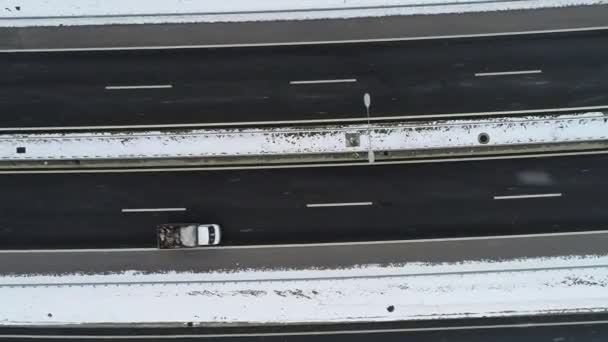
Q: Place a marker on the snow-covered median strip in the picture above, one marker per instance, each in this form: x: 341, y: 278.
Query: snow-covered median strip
x: 20, y: 13
x: 365, y: 293
x: 415, y: 137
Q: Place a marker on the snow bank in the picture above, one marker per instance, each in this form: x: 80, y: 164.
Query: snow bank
x: 93, y: 12
x: 364, y: 293
x: 421, y: 136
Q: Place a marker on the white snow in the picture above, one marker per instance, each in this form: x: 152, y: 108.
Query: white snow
x: 415, y: 136
x: 417, y: 291
x: 187, y: 235
x: 95, y: 12
x: 366, y: 270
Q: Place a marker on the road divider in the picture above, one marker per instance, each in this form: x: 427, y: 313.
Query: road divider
x: 403, y: 140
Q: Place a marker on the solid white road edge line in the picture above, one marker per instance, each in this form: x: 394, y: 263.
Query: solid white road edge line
x: 312, y: 245
x: 312, y: 333
x: 321, y: 42
x: 359, y: 119
x: 300, y: 166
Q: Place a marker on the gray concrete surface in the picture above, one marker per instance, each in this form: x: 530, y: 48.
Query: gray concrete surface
x: 408, y: 27
x: 302, y: 257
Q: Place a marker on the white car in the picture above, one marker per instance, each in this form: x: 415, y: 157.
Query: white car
x: 208, y: 234
x: 188, y: 235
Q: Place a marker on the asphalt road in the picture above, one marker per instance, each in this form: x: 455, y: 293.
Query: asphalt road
x: 328, y: 204
x: 19, y: 39
x: 317, y: 82
x: 533, y: 329
x: 281, y: 257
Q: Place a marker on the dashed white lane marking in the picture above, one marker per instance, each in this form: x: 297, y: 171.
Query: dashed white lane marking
x: 345, y: 204
x: 508, y: 73
x: 510, y: 197
x: 147, y: 210
x: 344, y: 80
x: 130, y: 87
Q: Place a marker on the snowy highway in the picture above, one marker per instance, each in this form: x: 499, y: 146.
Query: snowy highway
x: 121, y: 208
x: 395, y: 170
x: 446, y: 78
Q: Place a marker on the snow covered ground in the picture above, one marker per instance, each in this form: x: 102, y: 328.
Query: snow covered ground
x: 21, y: 13
x: 363, y: 293
x: 421, y: 136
